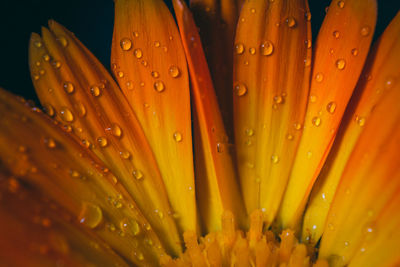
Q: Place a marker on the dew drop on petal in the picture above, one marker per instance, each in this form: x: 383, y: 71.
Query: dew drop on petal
x: 103, y: 142
x: 81, y: 109
x: 116, y: 130
x: 130, y: 226
x: 69, y: 88
x: 360, y: 121
x: 157, y: 44
x: 137, y: 174
x: 46, y: 57
x: 336, y: 34
x: 274, y: 159
x: 249, y: 132
x: 38, y: 44
x: 365, y: 31
x: 316, y: 121
x: 177, y: 136
x: 252, y: 50
x: 95, y: 90
x: 126, y: 44
x: 90, y: 215
x: 291, y: 22
x: 155, y: 74
x: 62, y: 40
x: 266, y: 48
x: 125, y: 154
x: 354, y: 51
x: 331, y: 107
x: 66, y: 114
x: 49, y: 109
x: 313, y: 98
x: 239, y: 48
x: 174, y: 71
x: 138, y: 53
x: 120, y: 74
x: 240, y: 89
x: 50, y: 143
x: 159, y: 86
x: 340, y: 4
x: 340, y: 64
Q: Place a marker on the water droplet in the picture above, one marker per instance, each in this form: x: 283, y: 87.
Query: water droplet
x: 48, y: 108
x: 278, y: 99
x: 81, y: 109
x: 309, y: 154
x: 177, y: 136
x: 308, y: 43
x: 74, y: 174
x: 159, y: 86
x: 138, y: 53
x: 62, y: 40
x: 291, y: 22
x: 95, y: 90
x: 130, y: 226
x: 340, y: 64
x: 240, y: 89
x: 331, y: 107
x: 49, y: 142
x: 274, y: 159
x: 103, y: 142
x: 267, y: 48
x: 289, y: 137
x: 157, y: 44
x: 125, y: 154
x: 253, y: 10
x: 307, y: 15
x: 120, y: 74
x: 155, y: 74
x: 136, y: 34
x: 330, y: 226
x: 86, y: 143
x: 346, y: 243
x: 174, y: 71
x: 116, y: 130
x: 56, y: 64
x: 319, y: 77
x: 220, y: 147
x: 239, y: 48
x: 340, y: 4
x: 126, y: 44
x: 360, y: 121
x: 46, y: 57
x: 313, y: 99
x: 36, y: 77
x: 354, y: 51
x: 297, y: 126
x: 66, y: 114
x: 249, y: 132
x: 365, y: 31
x: 38, y: 44
x: 336, y: 34
x: 69, y: 88
x: 137, y: 174
x: 389, y: 83
x: 252, y: 50
x: 90, y: 215
x: 316, y: 121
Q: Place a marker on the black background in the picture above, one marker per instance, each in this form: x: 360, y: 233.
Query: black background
x: 92, y: 23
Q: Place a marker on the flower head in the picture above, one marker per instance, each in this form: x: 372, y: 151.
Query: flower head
x: 281, y: 153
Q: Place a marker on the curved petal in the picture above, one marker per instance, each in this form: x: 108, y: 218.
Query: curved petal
x: 375, y: 82
x: 149, y: 63
x: 37, y: 151
x: 216, y: 183
x: 341, y: 49
x: 271, y: 80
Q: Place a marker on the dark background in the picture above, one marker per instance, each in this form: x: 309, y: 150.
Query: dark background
x: 92, y: 23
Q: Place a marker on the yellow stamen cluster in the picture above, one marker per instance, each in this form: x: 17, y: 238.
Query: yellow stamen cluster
x: 233, y: 247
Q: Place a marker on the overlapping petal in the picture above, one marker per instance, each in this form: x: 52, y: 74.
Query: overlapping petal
x: 149, y: 64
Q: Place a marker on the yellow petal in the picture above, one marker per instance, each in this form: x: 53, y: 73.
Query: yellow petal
x: 36, y: 150
x: 348, y: 27
x: 217, y: 23
x: 271, y: 77
x: 147, y: 53
x: 370, y: 180
x: 84, y: 97
x: 376, y: 81
x: 44, y: 232
x: 216, y: 183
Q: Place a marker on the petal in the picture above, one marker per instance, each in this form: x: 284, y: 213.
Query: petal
x: 370, y: 180
x: 270, y: 95
x: 376, y: 79
x: 217, y: 23
x: 87, y: 100
x: 216, y: 183
x: 36, y: 150
x: 155, y: 64
x: 44, y: 232
x: 348, y: 25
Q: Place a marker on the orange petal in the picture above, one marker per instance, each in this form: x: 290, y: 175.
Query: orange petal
x: 370, y: 180
x: 217, y: 23
x: 216, y: 183
x: 149, y: 63
x: 82, y: 95
x: 44, y: 232
x: 36, y: 150
x: 376, y: 80
x: 271, y: 75
x: 341, y: 49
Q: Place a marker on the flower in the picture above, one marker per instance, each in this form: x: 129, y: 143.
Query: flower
x: 115, y: 172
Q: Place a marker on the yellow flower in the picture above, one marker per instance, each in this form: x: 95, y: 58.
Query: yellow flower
x: 297, y: 166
